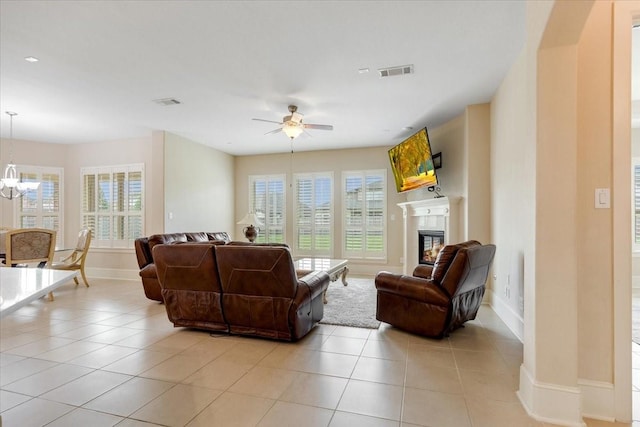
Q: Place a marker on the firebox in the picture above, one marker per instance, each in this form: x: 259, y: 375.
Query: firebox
x: 429, y: 244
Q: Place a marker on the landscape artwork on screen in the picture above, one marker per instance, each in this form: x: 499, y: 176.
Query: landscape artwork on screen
x: 412, y: 163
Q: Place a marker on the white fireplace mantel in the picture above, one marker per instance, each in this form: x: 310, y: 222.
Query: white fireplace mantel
x: 440, y: 214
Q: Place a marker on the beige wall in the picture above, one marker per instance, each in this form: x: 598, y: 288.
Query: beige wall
x: 199, y: 189
x: 335, y: 161
x: 27, y: 153
x: 100, y: 262
x: 512, y: 194
x: 594, y: 154
x: 111, y: 262
x: 551, y: 147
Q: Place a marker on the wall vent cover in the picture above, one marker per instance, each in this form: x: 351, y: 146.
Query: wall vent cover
x: 396, y: 71
x: 166, y: 101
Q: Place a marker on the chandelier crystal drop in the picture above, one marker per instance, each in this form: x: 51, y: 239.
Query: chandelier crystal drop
x: 10, y: 186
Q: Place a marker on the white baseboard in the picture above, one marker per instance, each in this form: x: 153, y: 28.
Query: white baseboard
x: 510, y: 318
x: 113, y: 273
x: 550, y: 403
x: 598, y: 400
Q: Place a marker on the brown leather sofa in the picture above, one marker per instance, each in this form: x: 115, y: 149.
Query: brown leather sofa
x: 239, y: 289
x: 144, y: 247
x: 440, y: 298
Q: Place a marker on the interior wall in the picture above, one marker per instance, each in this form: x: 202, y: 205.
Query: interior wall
x: 448, y: 139
x: 120, y: 263
x: 478, y: 172
x: 198, y: 187
x: 513, y: 190
x: 594, y: 152
x: 28, y: 153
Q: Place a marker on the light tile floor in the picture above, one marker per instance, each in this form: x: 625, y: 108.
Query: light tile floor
x: 105, y: 355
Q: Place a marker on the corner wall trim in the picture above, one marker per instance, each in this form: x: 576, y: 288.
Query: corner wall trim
x: 550, y: 403
x: 598, y: 400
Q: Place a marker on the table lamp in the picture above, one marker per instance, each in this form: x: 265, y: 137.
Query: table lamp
x: 250, y: 232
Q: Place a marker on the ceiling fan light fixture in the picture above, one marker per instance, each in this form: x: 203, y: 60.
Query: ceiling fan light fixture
x: 292, y: 130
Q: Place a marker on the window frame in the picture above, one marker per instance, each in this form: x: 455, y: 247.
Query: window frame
x: 363, y: 254
x: 313, y: 226
x: 127, y: 242
x: 39, y: 171
x: 266, y: 229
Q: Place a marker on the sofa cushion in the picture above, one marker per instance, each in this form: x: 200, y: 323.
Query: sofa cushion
x: 446, y: 256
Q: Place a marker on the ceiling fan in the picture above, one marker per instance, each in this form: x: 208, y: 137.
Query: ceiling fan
x: 292, y: 124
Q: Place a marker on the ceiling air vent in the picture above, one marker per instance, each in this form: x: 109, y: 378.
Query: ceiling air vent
x: 166, y: 101
x: 396, y: 71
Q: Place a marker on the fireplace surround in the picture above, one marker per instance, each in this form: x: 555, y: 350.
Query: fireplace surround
x: 437, y: 214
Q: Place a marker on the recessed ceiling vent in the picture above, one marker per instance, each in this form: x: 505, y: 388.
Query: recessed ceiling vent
x: 396, y: 71
x: 166, y: 101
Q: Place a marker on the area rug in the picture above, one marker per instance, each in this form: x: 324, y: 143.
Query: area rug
x: 352, y: 305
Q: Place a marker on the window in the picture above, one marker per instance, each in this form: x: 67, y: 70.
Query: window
x: 364, y: 211
x: 113, y: 204
x: 267, y: 201
x: 41, y: 208
x: 313, y: 213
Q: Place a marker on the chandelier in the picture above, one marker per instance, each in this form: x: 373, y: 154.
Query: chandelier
x: 10, y: 186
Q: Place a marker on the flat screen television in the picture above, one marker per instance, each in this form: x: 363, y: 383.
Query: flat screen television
x: 412, y: 163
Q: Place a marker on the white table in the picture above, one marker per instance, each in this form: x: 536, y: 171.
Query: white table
x: 20, y: 286
x: 334, y: 267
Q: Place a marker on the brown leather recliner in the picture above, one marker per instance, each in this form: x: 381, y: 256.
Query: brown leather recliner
x: 240, y: 289
x: 440, y: 298
x: 144, y: 247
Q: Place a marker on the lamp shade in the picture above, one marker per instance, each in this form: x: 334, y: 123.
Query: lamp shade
x: 250, y: 219
x: 292, y: 130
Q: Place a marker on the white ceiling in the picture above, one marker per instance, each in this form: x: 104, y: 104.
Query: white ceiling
x: 102, y: 63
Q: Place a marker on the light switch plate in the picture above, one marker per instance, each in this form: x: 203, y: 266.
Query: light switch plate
x: 602, y: 198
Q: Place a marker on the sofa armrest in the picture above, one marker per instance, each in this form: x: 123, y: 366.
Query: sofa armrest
x: 316, y: 281
x: 423, y: 271
x: 412, y: 287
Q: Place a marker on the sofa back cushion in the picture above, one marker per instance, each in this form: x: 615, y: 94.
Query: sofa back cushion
x: 258, y: 287
x: 257, y: 270
x: 469, y: 269
x: 445, y: 258
x: 159, y: 239
x: 190, y: 282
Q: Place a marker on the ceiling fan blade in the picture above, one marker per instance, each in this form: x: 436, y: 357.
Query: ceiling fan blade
x: 268, y: 121
x: 274, y: 131
x: 320, y: 127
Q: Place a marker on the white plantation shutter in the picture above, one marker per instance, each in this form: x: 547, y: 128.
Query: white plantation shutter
x: 113, y: 204
x: 267, y: 201
x: 313, y: 213
x: 364, y: 214
x: 41, y: 208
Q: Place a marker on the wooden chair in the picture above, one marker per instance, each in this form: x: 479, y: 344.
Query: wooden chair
x: 75, y: 261
x: 30, y: 245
